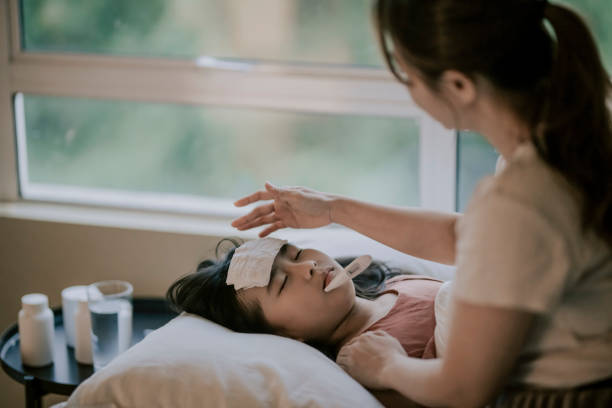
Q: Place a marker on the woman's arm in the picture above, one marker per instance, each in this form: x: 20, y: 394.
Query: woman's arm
x: 483, y: 346
x: 424, y: 234
x: 393, y: 399
x: 421, y: 233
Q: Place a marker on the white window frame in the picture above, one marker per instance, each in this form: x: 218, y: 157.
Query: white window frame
x: 204, y: 81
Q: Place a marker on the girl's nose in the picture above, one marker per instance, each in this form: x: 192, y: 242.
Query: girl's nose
x: 309, y: 269
x: 305, y: 269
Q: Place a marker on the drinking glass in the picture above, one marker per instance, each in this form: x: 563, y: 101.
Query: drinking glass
x: 110, y: 306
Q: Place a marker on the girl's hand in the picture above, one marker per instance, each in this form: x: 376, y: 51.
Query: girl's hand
x: 294, y: 207
x: 366, y: 356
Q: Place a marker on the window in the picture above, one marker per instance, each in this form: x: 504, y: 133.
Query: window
x: 97, y: 82
x: 201, y: 101
x: 295, y: 31
x: 210, y: 151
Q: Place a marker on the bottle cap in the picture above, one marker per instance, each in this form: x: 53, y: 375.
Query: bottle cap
x: 34, y: 302
x: 74, y: 293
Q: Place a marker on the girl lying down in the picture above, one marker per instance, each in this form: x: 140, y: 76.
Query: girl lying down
x: 271, y: 286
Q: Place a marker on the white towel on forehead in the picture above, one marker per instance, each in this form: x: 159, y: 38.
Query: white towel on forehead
x: 252, y: 262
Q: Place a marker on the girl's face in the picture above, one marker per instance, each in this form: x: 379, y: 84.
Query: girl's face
x: 294, y: 301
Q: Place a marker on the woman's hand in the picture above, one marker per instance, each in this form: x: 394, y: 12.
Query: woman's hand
x: 366, y: 356
x: 294, y: 207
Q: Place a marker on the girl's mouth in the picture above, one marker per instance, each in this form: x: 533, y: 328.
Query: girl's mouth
x: 329, y: 276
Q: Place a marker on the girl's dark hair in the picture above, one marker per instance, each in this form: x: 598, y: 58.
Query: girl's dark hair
x: 371, y: 282
x: 553, y: 79
x: 206, y: 294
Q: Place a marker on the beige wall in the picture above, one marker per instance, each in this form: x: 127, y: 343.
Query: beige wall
x: 46, y: 257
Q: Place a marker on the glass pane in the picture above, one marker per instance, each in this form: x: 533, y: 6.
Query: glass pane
x: 218, y: 152
x: 311, y: 31
x: 475, y: 159
x: 598, y: 14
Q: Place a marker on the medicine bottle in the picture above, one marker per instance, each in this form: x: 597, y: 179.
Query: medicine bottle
x: 36, y: 330
x: 82, y: 329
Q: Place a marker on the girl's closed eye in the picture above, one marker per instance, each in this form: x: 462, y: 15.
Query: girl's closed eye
x: 297, y: 256
x: 283, y: 285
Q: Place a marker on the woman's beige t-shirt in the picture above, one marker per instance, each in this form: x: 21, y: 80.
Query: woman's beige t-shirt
x: 520, y: 246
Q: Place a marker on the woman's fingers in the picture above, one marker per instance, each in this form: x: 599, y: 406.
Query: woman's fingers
x: 276, y: 226
x: 256, y: 196
x: 268, y: 219
x: 258, y: 212
x: 295, y: 207
x: 271, y: 187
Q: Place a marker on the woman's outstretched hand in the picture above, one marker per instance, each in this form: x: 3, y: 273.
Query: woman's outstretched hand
x: 294, y: 207
x: 366, y: 356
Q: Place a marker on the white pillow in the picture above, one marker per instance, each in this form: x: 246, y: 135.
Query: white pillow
x: 192, y: 362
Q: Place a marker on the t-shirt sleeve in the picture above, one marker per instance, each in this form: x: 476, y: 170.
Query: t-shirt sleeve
x: 509, y: 255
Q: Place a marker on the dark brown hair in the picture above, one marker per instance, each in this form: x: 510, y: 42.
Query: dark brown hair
x: 551, y: 76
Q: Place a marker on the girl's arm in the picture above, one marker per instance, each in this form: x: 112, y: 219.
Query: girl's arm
x: 483, y: 346
x: 421, y: 233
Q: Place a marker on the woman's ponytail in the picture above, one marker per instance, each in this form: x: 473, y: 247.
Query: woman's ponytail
x: 575, y: 129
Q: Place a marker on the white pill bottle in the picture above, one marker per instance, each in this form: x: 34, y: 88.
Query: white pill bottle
x: 36, y: 330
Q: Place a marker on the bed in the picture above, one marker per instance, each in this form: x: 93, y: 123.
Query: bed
x: 192, y: 362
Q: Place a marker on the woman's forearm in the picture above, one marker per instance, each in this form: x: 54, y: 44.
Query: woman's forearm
x: 420, y: 381
x: 421, y: 233
x: 483, y: 347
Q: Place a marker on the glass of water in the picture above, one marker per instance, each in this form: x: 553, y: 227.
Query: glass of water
x: 110, y: 306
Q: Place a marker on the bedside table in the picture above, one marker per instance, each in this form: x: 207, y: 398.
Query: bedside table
x: 65, y: 374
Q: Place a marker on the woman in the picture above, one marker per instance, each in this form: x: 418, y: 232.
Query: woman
x: 532, y: 295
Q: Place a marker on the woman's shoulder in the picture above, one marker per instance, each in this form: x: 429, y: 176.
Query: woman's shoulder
x: 527, y: 178
x: 528, y: 184
x: 525, y: 219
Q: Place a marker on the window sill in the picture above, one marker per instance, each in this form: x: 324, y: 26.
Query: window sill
x: 145, y: 220
x: 122, y: 218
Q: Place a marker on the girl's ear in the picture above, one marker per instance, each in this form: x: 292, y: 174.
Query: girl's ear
x: 458, y: 87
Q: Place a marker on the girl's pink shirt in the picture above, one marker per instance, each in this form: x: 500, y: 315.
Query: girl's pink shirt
x: 411, y: 320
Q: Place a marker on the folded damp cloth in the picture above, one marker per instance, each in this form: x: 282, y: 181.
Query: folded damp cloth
x: 252, y: 263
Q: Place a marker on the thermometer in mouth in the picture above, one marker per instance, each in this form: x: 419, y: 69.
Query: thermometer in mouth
x: 353, y: 269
